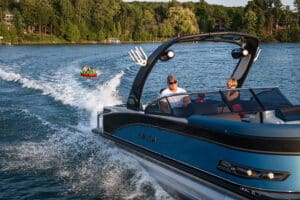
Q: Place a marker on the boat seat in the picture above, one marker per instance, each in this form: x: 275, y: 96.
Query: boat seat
x: 204, y: 108
x: 289, y: 113
x: 196, y: 108
x: 161, y: 90
x: 228, y: 116
x: 181, y: 112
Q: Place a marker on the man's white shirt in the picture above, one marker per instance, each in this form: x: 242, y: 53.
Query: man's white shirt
x: 175, y: 101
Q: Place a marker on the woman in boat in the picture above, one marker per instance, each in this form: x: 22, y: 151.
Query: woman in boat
x: 176, y: 101
x: 233, y: 96
x: 232, y: 84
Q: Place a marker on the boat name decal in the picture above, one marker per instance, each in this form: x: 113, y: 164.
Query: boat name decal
x: 149, y: 138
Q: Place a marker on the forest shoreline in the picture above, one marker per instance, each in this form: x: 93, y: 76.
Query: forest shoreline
x: 104, y: 43
x: 60, y: 41
x: 92, y: 21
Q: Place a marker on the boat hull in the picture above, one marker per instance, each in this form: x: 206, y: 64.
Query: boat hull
x: 203, y: 157
x: 178, y: 183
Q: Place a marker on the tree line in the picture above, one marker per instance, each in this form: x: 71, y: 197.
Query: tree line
x: 99, y: 20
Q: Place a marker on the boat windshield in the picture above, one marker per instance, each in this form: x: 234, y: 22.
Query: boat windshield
x: 217, y: 102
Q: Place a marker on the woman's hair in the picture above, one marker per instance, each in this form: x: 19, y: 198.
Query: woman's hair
x: 232, y: 82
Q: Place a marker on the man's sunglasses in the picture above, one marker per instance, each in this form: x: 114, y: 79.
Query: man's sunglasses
x: 174, y: 82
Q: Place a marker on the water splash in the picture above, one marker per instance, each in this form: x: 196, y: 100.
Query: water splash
x: 70, y: 92
x: 105, y: 95
x: 88, y: 165
x: 14, y: 77
x: 58, y: 90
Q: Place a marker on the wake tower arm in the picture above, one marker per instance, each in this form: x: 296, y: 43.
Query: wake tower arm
x: 251, y: 44
x: 134, y: 99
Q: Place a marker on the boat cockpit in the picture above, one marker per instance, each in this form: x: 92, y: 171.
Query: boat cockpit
x: 256, y: 105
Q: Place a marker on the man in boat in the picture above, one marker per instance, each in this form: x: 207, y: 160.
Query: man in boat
x: 176, y: 101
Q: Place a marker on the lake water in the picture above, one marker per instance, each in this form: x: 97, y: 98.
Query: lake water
x: 47, y: 111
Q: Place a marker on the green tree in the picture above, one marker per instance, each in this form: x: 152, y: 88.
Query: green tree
x: 84, y: 30
x: 183, y: 20
x: 295, y: 34
x: 220, y: 18
x: 166, y: 30
x: 236, y: 16
x: 64, y: 15
x: 174, y: 3
x: 83, y: 9
x: 73, y: 20
x: 136, y: 16
x: 261, y: 20
x: 28, y: 11
x: 277, y: 12
x: 44, y: 13
x: 65, y: 10
x: 160, y: 13
x: 72, y: 32
x: 101, y: 35
x: 13, y: 35
x: 260, y: 8
x: 4, y: 32
x: 4, y: 5
x: 18, y: 23
x: 297, y: 6
x: 250, y: 20
x: 204, y: 17
x: 149, y: 23
x: 103, y: 17
x: 122, y: 20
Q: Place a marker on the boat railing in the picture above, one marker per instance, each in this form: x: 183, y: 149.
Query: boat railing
x: 251, y: 100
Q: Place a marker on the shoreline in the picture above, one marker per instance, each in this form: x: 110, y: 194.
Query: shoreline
x: 77, y: 43
x: 107, y: 43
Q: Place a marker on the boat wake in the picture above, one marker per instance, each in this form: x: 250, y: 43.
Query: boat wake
x: 84, y: 164
x: 69, y: 91
x: 72, y: 153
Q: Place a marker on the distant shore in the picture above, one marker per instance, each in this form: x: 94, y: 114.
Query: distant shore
x: 58, y: 41
x: 78, y: 43
x: 52, y: 40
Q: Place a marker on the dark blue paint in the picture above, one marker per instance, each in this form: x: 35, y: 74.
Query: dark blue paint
x: 205, y: 156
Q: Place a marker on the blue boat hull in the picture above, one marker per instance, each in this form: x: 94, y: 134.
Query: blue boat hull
x: 200, y: 153
x: 205, y: 156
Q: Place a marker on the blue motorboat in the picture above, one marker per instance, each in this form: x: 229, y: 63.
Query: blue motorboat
x: 249, y: 149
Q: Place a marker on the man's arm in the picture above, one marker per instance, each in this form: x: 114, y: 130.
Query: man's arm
x: 186, y: 100
x: 164, y: 106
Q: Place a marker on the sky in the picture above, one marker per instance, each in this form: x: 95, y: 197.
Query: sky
x: 229, y: 3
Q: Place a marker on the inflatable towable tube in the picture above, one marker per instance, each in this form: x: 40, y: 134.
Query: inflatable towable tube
x: 89, y: 73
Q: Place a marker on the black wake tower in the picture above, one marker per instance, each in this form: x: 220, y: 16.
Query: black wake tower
x: 246, y: 53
